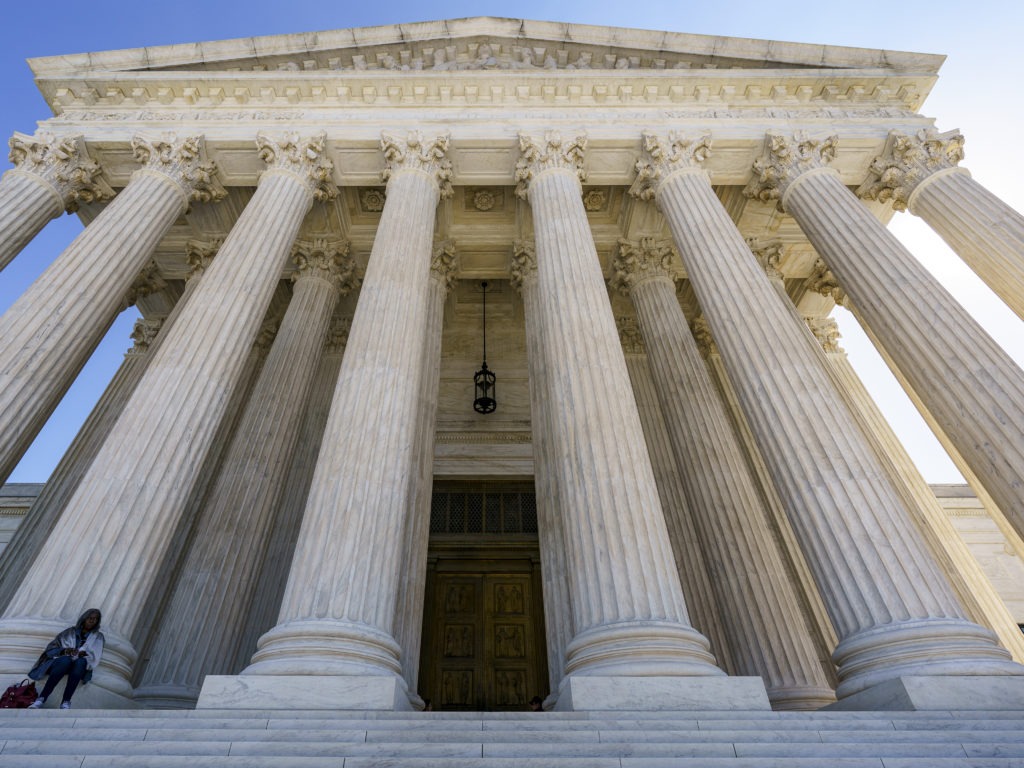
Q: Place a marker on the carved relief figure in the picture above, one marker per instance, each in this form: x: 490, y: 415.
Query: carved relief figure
x: 509, y: 688
x: 508, y: 598
x: 459, y: 598
x: 458, y: 641
x: 508, y: 642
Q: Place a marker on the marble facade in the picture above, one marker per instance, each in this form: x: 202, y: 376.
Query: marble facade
x: 665, y: 222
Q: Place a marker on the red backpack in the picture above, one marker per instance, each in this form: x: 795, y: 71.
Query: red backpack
x: 19, y: 696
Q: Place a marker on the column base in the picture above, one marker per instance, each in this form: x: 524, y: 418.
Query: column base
x: 606, y: 693
x: 167, y: 696
x: 797, y: 699
x: 328, y: 692
x: 938, y: 692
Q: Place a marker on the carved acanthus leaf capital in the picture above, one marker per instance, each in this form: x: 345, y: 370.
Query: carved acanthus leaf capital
x: 638, y: 262
x: 64, y: 164
x: 147, y: 282
x: 537, y: 157
x: 660, y: 159
x: 907, y: 161
x: 306, y: 159
x: 821, y: 280
x: 337, y: 334
x: 524, y: 264
x: 143, y: 335
x: 630, y: 336
x: 199, y: 254
x: 327, y: 260
x: 702, y: 335
x: 786, y: 159
x: 826, y: 331
x: 184, y: 162
x: 444, y: 264
x: 768, y: 254
x: 265, y: 338
x: 415, y: 153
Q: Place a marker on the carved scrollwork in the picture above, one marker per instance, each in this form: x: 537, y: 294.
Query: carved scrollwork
x: 328, y: 260
x: 629, y: 336
x: 337, y: 335
x: 414, y: 152
x: 524, y: 264
x: 304, y: 158
x: 143, y: 335
x: 638, y: 262
x: 768, y: 254
x: 537, y: 157
x: 184, y: 162
x: 660, y: 159
x: 826, y: 331
x: 148, y: 281
x: 702, y: 335
x: 785, y: 159
x: 199, y: 254
x: 64, y: 164
x: 822, y: 281
x: 444, y: 264
x: 909, y: 160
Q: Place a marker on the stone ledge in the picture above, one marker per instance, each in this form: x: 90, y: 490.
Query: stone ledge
x: 939, y: 692
x: 585, y: 692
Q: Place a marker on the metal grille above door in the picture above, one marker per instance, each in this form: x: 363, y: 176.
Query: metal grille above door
x: 484, y: 510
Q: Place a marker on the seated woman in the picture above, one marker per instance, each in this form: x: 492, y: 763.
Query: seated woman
x: 75, y: 652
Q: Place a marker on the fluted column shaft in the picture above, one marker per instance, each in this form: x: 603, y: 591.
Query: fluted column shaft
x: 123, y: 514
x: 27, y: 204
x: 770, y: 637
x: 629, y: 613
x: 343, y: 585
x: 893, y: 611
x: 970, y: 385
x: 200, y: 627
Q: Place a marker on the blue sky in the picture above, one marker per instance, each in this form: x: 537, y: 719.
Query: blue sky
x: 978, y: 92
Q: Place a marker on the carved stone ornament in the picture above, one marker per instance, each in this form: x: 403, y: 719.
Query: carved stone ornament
x: 143, y: 335
x: 304, y: 158
x: 371, y: 200
x: 337, y: 335
x: 444, y: 264
x: 537, y: 157
x: 822, y: 281
x: 184, y: 162
x: 768, y: 254
x: 64, y: 164
x: 637, y: 262
x: 265, y: 338
x: 909, y: 160
x: 660, y: 159
x: 785, y: 159
x: 327, y: 260
x: 629, y: 335
x: 484, y: 199
x: 199, y: 254
x: 595, y: 200
x: 524, y: 264
x: 702, y: 335
x: 148, y: 282
x: 826, y: 331
x: 415, y: 153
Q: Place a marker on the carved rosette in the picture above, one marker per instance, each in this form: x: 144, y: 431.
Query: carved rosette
x: 537, y: 157
x: 524, y: 264
x: 143, y: 335
x: 822, y: 281
x: 629, y: 335
x: 444, y: 265
x: 305, y: 159
x: 326, y: 260
x: 660, y: 159
x: 64, y: 164
x: 702, y: 335
x: 768, y: 254
x: 199, y: 254
x: 826, y: 331
x: 909, y: 160
x: 636, y: 263
x: 786, y: 159
x: 148, y: 281
x: 184, y: 162
x: 337, y: 335
x: 415, y: 154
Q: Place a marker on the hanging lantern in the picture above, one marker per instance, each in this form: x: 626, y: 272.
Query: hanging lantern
x: 484, y: 379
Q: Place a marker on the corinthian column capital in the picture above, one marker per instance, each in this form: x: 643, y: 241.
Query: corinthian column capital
x: 786, y: 159
x: 660, y: 159
x: 702, y: 335
x: 444, y: 264
x: 768, y: 254
x: 413, y: 153
x: 524, y: 264
x: 184, y: 162
x: 337, y: 334
x: 63, y: 164
x: 822, y: 281
x: 826, y: 331
x: 143, y: 335
x: 630, y: 337
x: 305, y: 159
x: 199, y: 254
x: 147, y: 282
x: 326, y: 260
x: 907, y: 161
x: 537, y: 157
x: 637, y: 262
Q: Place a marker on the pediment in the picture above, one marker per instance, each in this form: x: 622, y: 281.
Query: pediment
x: 484, y: 44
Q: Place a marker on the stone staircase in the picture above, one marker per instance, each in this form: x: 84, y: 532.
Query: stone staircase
x: 286, y: 739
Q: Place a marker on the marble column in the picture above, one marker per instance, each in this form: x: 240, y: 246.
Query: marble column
x: 629, y: 613
x: 919, y: 173
x: 558, y: 621
x: 50, y: 175
x: 970, y: 385
x: 972, y: 586
x: 52, y: 329
x: 415, y: 538
x: 894, y: 612
x: 121, y: 518
x: 201, y: 626
x: 342, y: 590
x: 49, y: 505
x: 701, y: 601
x: 769, y: 635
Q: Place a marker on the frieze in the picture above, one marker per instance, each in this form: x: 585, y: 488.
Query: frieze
x: 483, y: 437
